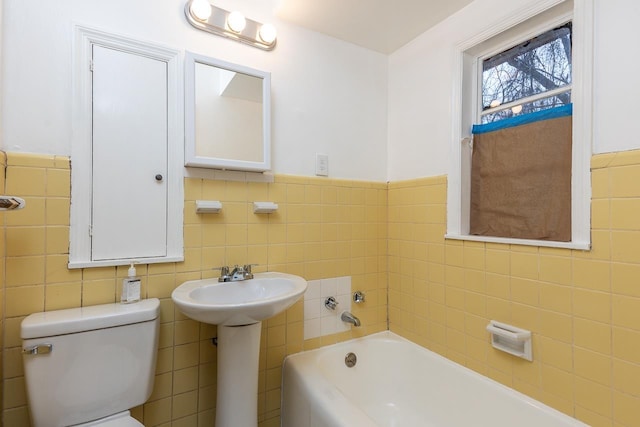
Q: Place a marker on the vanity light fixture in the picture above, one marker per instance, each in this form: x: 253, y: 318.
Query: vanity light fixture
x: 236, y: 21
x: 201, y: 9
x: 233, y: 25
x: 267, y: 33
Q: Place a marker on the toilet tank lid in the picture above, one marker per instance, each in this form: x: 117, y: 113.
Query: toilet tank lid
x: 73, y: 320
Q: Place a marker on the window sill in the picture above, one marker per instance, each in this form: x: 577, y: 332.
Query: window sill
x: 582, y: 246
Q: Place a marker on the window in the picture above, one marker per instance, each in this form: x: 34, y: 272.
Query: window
x: 521, y: 155
x: 529, y: 77
x: 536, y: 62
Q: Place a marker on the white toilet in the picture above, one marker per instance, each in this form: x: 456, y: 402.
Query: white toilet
x: 88, y: 366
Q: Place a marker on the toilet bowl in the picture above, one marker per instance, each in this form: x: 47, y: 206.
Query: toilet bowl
x: 88, y: 366
x: 123, y: 419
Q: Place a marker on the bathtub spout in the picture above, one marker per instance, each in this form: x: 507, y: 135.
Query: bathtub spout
x: 350, y: 318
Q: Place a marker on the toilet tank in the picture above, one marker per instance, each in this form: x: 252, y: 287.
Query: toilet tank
x: 90, y: 362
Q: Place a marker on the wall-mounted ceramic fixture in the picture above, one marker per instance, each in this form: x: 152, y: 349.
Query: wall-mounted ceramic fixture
x: 208, y: 206
x: 232, y: 25
x: 264, y: 207
x: 8, y: 203
x: 510, y: 339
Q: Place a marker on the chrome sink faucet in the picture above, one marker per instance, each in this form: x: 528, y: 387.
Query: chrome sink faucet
x: 236, y: 274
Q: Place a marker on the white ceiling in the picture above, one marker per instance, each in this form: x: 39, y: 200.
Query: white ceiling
x: 380, y: 25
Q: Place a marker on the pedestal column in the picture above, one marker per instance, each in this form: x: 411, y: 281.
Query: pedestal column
x: 238, y: 361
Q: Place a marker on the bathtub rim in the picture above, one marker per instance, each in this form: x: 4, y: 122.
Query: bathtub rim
x: 307, y: 355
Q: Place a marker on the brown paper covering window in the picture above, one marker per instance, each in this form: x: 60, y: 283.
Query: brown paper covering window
x: 521, y: 182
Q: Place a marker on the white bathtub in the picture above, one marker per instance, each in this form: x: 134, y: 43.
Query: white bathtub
x: 396, y: 383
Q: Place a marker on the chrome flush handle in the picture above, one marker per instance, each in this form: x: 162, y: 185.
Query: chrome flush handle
x: 38, y: 349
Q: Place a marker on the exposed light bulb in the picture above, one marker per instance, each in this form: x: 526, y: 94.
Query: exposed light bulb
x: 495, y: 103
x: 267, y: 33
x: 236, y: 21
x: 517, y: 109
x: 201, y: 9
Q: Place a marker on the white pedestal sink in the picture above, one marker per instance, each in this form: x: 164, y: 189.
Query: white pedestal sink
x: 238, y: 309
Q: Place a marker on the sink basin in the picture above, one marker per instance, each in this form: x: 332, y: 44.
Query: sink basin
x: 238, y: 308
x: 238, y: 303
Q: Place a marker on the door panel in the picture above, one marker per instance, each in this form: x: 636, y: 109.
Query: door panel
x: 129, y: 154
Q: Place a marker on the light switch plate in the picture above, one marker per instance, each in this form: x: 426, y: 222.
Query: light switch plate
x: 322, y: 165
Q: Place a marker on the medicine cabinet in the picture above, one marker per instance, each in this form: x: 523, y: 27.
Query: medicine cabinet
x: 127, y: 155
x: 227, y: 115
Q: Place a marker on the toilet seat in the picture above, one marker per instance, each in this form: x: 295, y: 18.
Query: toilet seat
x: 121, y: 419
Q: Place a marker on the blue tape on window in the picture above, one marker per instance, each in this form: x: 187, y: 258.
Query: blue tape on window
x: 552, y: 113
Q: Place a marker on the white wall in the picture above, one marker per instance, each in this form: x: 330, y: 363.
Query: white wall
x: 328, y: 96
x: 421, y: 82
x: 616, y: 86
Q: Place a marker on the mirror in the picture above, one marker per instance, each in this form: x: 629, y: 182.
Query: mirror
x: 227, y: 113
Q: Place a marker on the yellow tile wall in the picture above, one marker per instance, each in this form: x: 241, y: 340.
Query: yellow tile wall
x: 3, y: 164
x: 324, y: 228
x: 582, y: 306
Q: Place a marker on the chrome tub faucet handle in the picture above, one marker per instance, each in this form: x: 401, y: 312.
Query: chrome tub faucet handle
x: 330, y: 303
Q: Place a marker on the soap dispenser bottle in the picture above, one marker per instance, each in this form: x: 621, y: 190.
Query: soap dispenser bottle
x: 130, y: 287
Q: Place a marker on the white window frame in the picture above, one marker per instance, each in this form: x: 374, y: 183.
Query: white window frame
x: 466, y: 103
x: 81, y: 152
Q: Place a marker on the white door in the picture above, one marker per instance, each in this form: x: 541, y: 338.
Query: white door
x: 129, y: 154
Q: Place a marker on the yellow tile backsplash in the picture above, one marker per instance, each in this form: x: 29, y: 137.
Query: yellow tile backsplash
x: 583, y: 306
x: 323, y: 228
